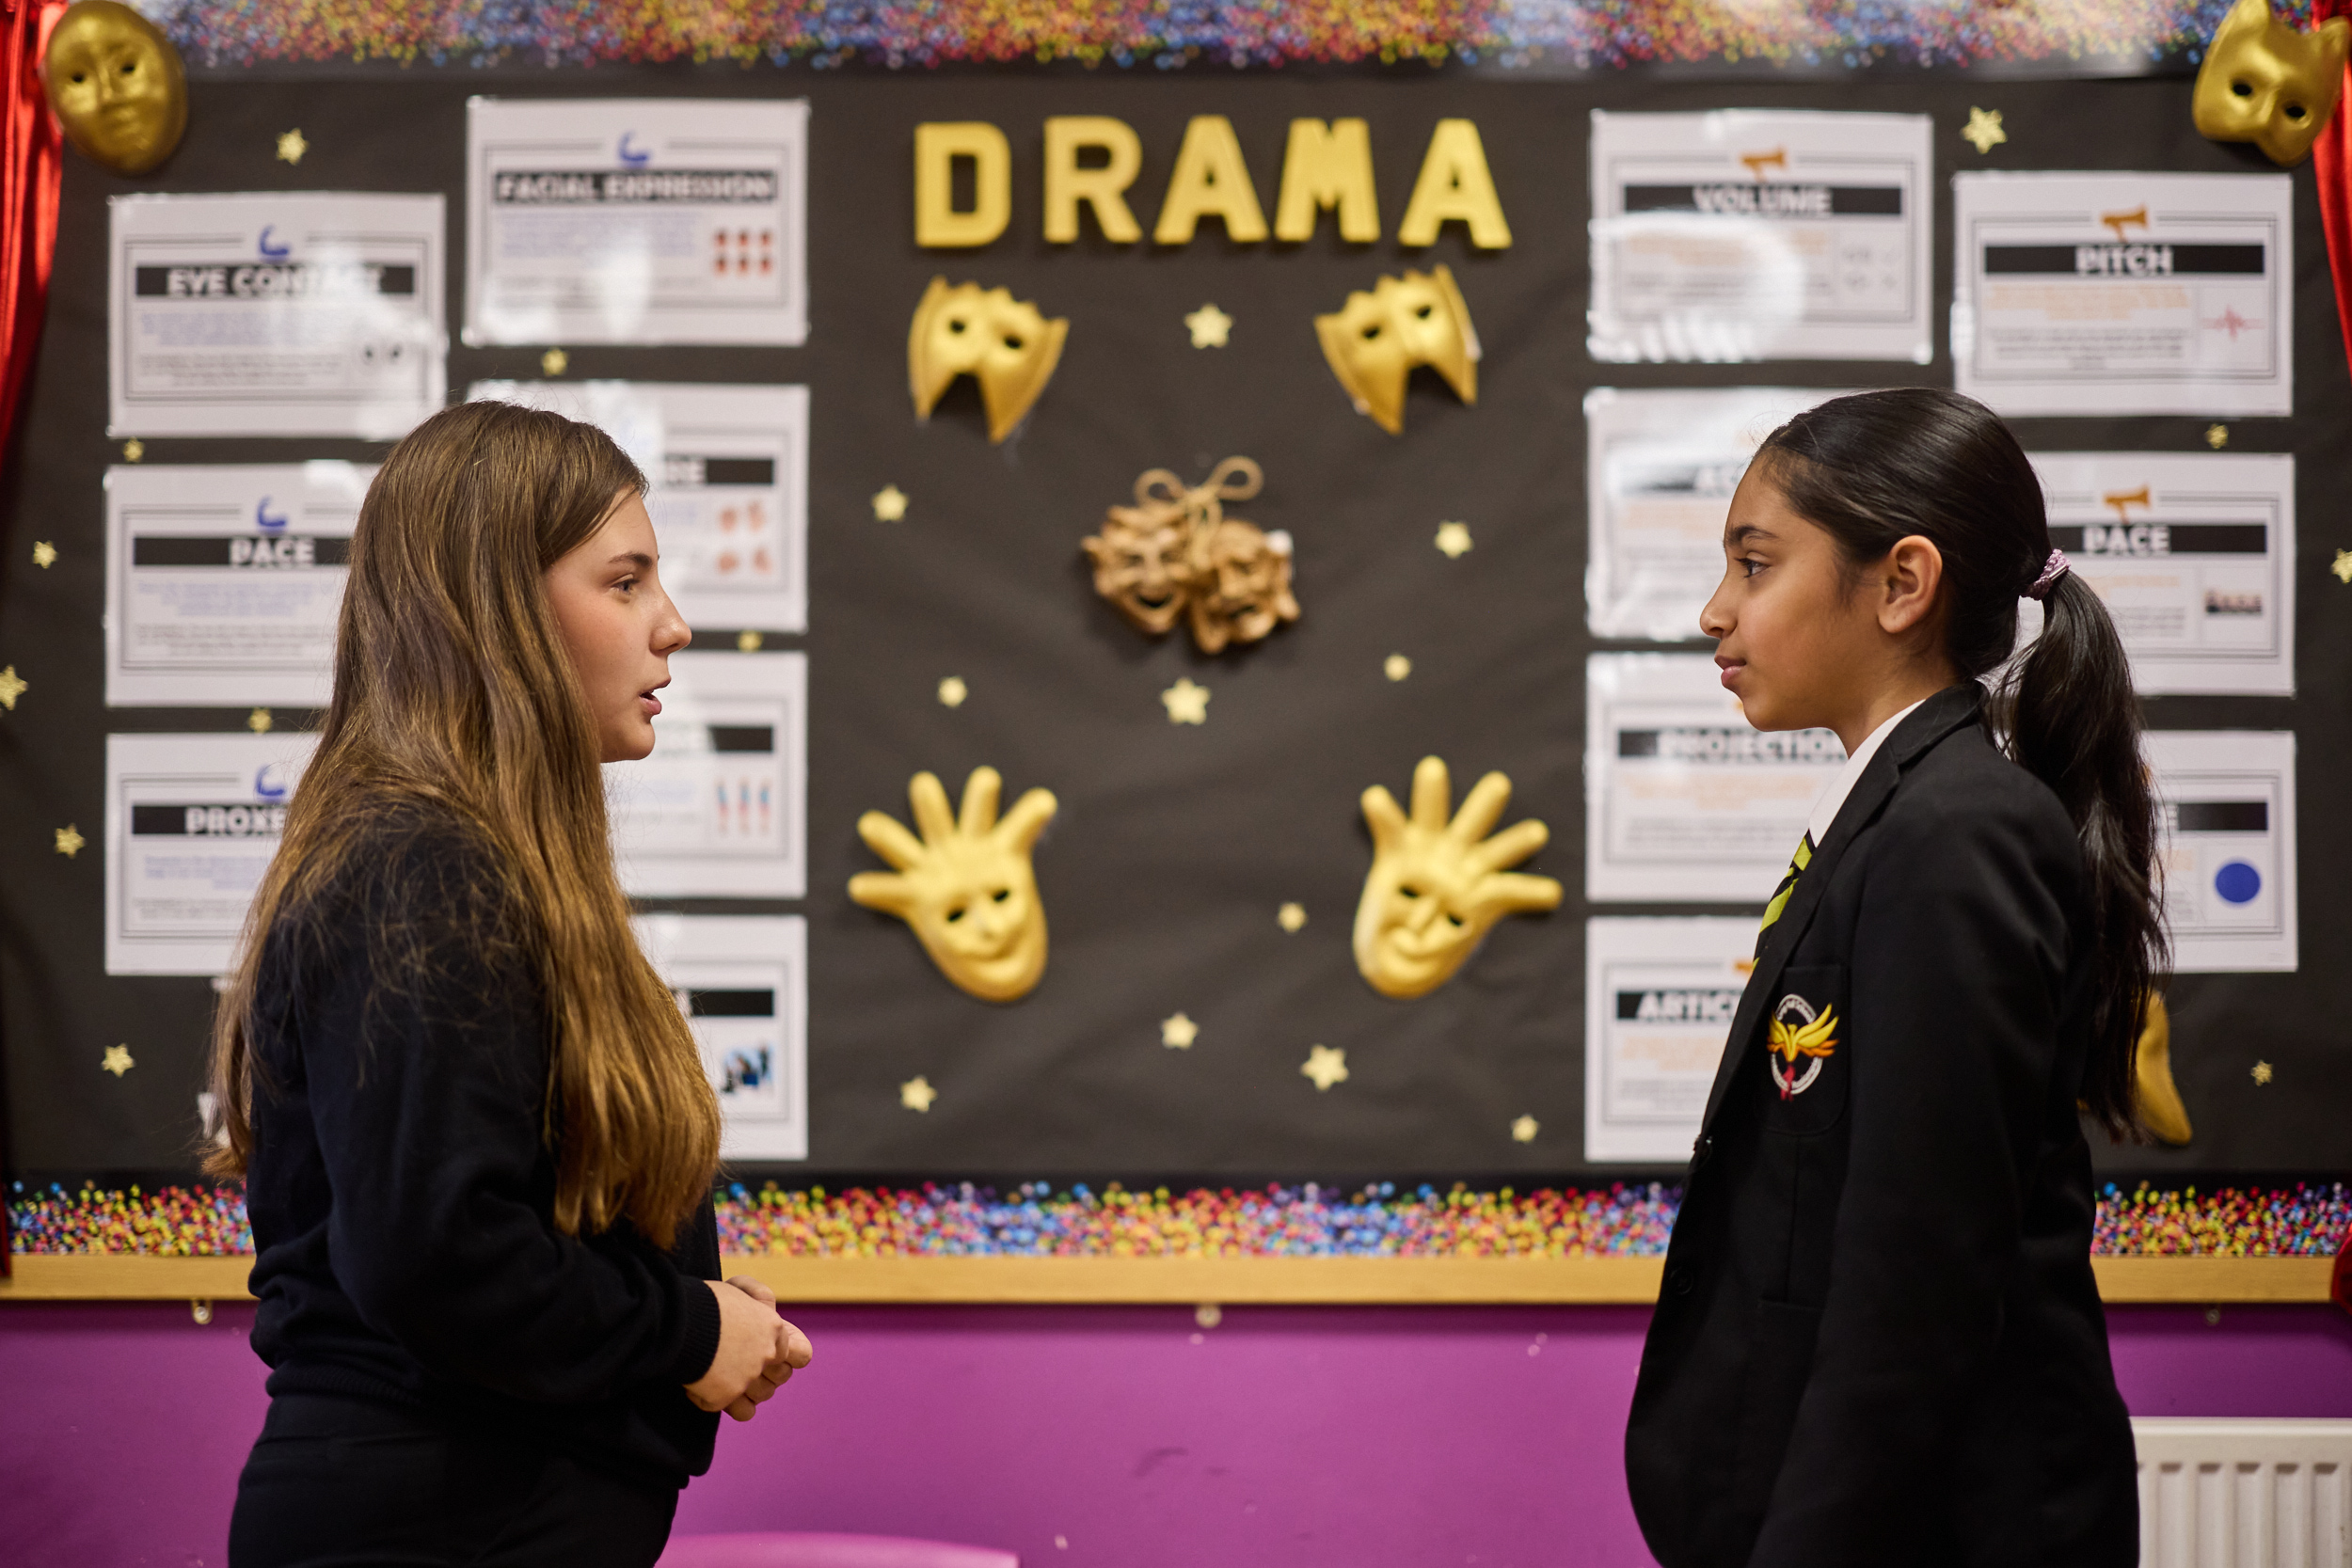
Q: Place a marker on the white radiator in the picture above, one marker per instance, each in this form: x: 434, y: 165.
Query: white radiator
x: 2245, y: 1494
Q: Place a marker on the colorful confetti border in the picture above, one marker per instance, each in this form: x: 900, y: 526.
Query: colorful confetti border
x: 1598, y: 34
x: 1037, y: 1220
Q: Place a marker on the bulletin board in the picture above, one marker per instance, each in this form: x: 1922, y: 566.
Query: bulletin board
x: 1176, y: 845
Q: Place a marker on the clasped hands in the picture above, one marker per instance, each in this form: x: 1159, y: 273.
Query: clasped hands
x: 758, y: 1351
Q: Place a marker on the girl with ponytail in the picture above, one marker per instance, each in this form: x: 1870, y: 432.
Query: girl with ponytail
x: 1879, y: 1340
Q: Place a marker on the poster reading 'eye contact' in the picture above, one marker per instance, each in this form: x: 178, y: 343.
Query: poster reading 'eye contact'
x: 304, y: 314
x: 636, y: 220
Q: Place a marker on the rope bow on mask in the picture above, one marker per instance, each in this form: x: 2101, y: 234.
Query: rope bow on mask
x: 1175, y: 555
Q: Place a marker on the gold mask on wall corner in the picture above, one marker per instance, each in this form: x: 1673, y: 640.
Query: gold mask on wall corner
x: 966, y: 886
x: 2160, y: 1108
x: 117, y: 86
x: 1174, y: 555
x: 1374, y: 339
x: 1010, y: 346
x: 2266, y: 81
x: 1435, y: 887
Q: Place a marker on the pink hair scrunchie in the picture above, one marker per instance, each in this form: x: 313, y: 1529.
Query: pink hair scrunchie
x: 2052, y: 569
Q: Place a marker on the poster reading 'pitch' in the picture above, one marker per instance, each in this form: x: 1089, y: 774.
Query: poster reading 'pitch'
x: 2124, y: 293
x: 1761, y: 234
x: 223, y: 583
x: 743, y: 982
x: 294, y: 314
x: 636, y: 220
x: 1660, y: 996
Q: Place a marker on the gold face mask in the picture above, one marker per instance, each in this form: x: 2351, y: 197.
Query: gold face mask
x: 1437, y: 888
x: 966, y: 885
x: 117, y: 86
x: 1143, y: 564
x: 1374, y: 341
x: 1245, y: 591
x: 1008, y: 345
x: 2266, y: 83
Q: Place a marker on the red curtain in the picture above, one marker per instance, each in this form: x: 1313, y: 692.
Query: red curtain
x: 2332, y: 161
x: 31, y: 150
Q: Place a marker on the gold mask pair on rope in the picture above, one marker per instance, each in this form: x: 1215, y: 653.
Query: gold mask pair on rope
x: 1374, y: 341
x: 1008, y: 345
x: 117, y: 86
x: 1174, y: 554
x: 2266, y: 83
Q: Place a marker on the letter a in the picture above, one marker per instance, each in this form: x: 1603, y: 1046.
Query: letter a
x: 1327, y: 166
x: 1067, y: 184
x: 1210, y: 181
x: 1455, y: 183
x: 937, y: 146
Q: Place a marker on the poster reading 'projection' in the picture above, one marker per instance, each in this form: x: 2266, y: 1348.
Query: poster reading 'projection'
x: 192, y: 821
x: 1761, y: 234
x: 1684, y: 801
x: 1660, y: 996
x: 2193, y: 554
x: 2124, y: 293
x: 743, y: 982
x: 636, y: 220
x: 2227, y: 799
x: 294, y: 314
x: 223, y: 583
x: 718, y: 810
x: 730, y: 497
x: 1659, y: 472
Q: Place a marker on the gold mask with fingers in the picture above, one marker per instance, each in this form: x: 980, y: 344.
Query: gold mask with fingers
x: 1436, y: 887
x: 1008, y: 345
x: 2265, y: 82
x: 965, y: 886
x: 1374, y: 339
x: 117, y: 86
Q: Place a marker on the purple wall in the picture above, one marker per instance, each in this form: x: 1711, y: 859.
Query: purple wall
x: 1284, y: 1435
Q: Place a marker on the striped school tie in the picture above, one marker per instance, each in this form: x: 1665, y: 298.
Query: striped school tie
x: 1797, y: 862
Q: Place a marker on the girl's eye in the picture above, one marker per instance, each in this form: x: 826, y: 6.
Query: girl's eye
x: 1749, y: 565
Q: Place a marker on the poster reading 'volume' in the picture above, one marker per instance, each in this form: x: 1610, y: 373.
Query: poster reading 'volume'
x: 297, y: 314
x: 636, y: 220
x: 2124, y: 293
x: 1761, y: 234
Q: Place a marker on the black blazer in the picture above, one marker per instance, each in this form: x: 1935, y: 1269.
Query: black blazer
x: 1879, y: 1340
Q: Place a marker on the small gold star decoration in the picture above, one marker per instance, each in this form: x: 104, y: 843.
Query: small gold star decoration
x: 132, y: 449
x: 1984, y: 129
x: 1209, y: 326
x: 2261, y: 1072
x: 916, y: 1094
x: 1179, y: 1031
x: 1291, y: 917
x: 1523, y: 1130
x: 291, y: 145
x: 890, y: 504
x: 1325, y: 1066
x: 2343, y: 569
x: 69, y: 840
x: 952, y: 691
x: 118, y: 1060
x: 259, y: 721
x: 44, y: 554
x: 554, y: 362
x: 1186, y: 704
x: 12, y: 685
x: 2216, y: 436
x: 748, y: 642
x: 1453, y: 539
x: 1396, y: 667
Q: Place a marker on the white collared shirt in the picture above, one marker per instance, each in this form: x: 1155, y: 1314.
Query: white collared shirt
x: 1825, y: 808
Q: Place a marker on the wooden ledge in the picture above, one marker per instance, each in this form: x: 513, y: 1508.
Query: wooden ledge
x: 1186, y: 1281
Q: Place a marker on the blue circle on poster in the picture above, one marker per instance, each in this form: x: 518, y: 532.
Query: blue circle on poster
x: 2238, y: 882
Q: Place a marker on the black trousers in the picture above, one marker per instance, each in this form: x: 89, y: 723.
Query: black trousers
x: 350, y: 1483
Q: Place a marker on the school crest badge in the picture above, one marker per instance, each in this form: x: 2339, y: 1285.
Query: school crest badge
x: 1798, y: 1034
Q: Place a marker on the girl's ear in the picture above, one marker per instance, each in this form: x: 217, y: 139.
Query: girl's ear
x: 1912, y: 576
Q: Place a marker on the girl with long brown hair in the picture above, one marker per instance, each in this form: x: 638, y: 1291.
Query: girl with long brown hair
x: 476, y: 1136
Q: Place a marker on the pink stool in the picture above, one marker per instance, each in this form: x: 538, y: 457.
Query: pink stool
x: 791, y: 1549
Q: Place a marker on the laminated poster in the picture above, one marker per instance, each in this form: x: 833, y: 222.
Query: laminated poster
x: 1684, y: 802
x: 730, y: 497
x: 743, y: 982
x: 1660, y: 996
x: 636, y: 220
x: 1761, y: 234
x: 1659, y: 472
x: 717, y: 811
x: 2228, y: 847
x: 192, y: 821
x: 2124, y: 293
x: 223, y: 583
x: 2194, y: 555
x: 303, y: 313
